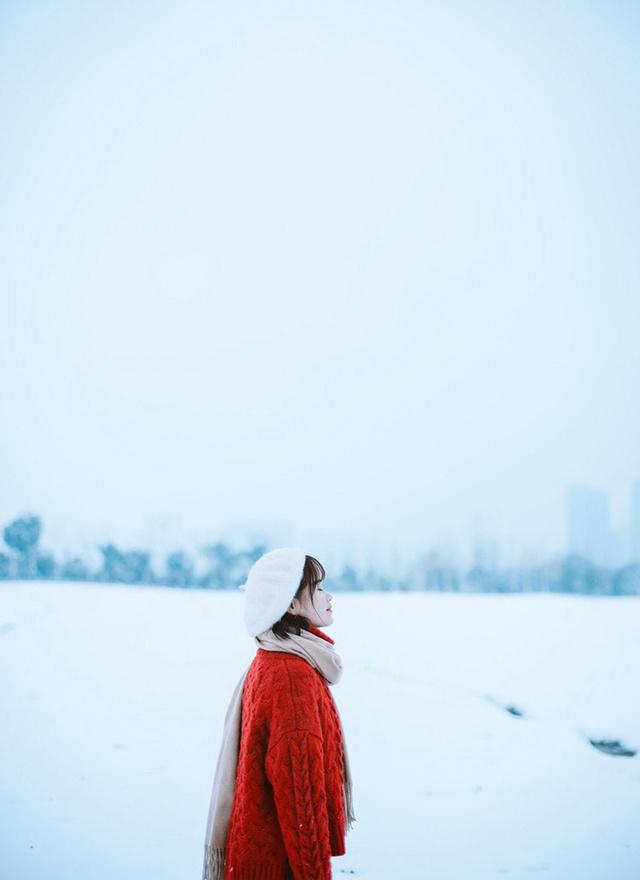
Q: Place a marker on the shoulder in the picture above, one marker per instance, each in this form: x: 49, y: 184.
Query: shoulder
x: 288, y: 691
x: 282, y: 671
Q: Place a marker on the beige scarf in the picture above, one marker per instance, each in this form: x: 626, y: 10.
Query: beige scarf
x: 322, y: 656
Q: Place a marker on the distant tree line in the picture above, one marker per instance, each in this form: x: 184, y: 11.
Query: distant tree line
x: 216, y: 566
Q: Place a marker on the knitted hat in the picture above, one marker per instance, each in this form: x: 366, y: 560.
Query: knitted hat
x: 271, y: 584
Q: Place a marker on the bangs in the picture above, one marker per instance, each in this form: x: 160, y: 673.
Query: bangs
x: 317, y: 569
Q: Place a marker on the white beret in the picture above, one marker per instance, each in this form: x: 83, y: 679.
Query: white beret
x: 271, y: 584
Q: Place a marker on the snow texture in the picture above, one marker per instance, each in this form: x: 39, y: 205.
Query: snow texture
x: 468, y: 719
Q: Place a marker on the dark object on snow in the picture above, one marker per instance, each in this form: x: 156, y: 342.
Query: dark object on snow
x: 612, y: 747
x: 513, y: 710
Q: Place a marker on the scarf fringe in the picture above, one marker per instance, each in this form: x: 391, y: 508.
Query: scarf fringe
x: 213, y: 866
x: 348, y: 807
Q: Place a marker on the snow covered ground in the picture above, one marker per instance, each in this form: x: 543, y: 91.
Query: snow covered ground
x: 113, y: 700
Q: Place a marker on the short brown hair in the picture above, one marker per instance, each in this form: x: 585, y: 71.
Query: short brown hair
x: 312, y: 574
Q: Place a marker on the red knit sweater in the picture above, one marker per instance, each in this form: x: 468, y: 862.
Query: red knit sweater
x: 288, y: 802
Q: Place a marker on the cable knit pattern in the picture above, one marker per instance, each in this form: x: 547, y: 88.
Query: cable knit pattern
x: 295, y: 768
x: 288, y: 804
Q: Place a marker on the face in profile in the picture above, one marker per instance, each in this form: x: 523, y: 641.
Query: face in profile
x: 316, y: 609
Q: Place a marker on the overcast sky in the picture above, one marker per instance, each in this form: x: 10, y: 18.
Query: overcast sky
x: 362, y: 273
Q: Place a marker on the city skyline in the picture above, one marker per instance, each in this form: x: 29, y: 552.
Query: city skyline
x: 590, y: 533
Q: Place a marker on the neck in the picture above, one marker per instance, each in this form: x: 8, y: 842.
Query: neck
x: 318, y: 632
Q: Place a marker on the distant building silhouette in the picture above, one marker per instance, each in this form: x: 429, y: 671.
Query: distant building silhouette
x: 634, y: 523
x: 589, y: 524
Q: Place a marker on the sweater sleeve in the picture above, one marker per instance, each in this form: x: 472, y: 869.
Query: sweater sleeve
x: 295, y: 768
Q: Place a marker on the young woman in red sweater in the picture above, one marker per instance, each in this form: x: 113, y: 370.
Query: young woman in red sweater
x: 281, y: 804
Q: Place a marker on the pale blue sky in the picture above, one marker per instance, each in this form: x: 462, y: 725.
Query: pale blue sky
x: 363, y: 271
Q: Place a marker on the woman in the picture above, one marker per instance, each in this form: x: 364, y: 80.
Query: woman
x: 281, y: 800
